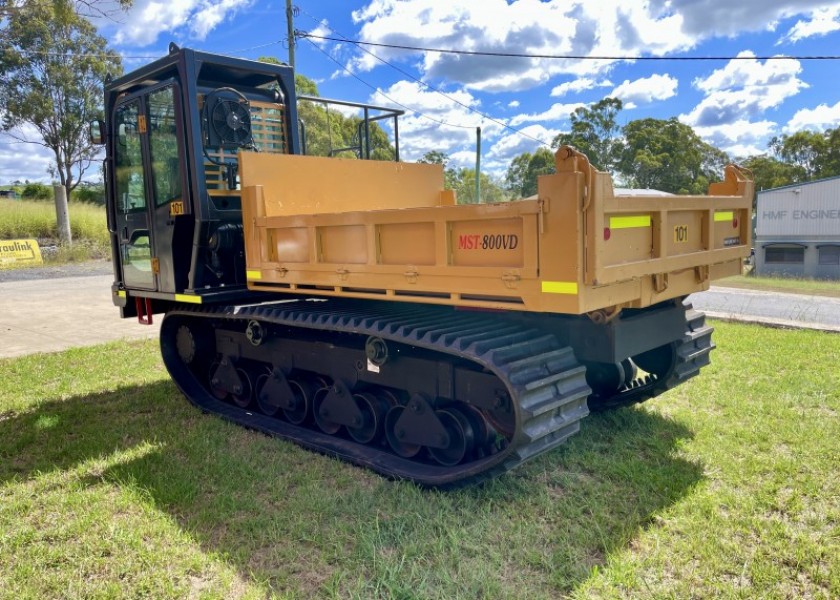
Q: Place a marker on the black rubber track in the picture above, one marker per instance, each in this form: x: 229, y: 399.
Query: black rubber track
x: 545, y: 382
x: 691, y: 353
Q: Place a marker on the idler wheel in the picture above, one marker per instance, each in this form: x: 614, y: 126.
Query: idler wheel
x: 461, y: 437
x: 605, y: 379
x: 373, y: 411
x: 659, y: 361
x: 395, y: 438
x: 323, y: 420
x: 241, y: 396
x: 300, y: 403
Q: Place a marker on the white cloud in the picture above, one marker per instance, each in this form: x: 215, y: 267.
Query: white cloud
x: 511, y: 144
x: 710, y: 18
x: 527, y: 140
x: 463, y: 158
x: 557, y: 112
x: 513, y: 104
x: 22, y: 157
x: 739, y: 138
x: 819, y: 118
x: 821, y: 22
x: 645, y: 90
x: 210, y: 15
x: 561, y: 27
x: 737, y: 96
x: 550, y: 27
x: 23, y: 162
x: 578, y: 85
x: 435, y: 122
x: 744, y: 89
x: 148, y: 19
x: 322, y: 29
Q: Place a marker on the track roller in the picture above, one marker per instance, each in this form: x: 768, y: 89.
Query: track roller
x: 373, y: 410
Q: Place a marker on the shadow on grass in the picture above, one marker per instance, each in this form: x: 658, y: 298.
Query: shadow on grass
x: 292, y: 521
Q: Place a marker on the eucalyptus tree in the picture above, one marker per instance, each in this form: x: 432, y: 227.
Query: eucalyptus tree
x: 52, y: 67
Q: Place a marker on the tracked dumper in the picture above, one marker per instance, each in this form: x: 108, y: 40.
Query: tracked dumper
x: 353, y: 307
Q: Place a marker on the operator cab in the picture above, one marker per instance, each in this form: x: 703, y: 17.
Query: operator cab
x: 173, y: 132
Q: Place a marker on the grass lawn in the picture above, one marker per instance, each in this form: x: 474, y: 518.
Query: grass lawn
x: 112, y: 485
x: 36, y: 219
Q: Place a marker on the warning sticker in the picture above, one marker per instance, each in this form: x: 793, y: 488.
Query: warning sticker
x: 19, y: 252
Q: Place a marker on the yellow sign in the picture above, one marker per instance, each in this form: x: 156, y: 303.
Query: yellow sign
x: 19, y: 252
x: 176, y: 208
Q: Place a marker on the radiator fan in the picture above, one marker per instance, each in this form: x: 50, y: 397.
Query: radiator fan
x: 227, y: 117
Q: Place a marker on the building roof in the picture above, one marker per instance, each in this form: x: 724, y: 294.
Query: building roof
x: 799, y: 185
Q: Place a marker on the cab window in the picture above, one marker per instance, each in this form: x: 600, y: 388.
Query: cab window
x: 163, y: 146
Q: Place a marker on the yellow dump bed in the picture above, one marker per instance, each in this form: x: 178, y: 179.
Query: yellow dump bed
x: 383, y: 230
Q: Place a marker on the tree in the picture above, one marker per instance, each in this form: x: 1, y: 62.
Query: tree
x: 804, y: 150
x: 811, y: 154
x: 88, y: 8
x: 327, y: 132
x: 462, y: 181
x: 596, y: 133
x: 669, y: 156
x: 450, y: 175
x: 36, y: 191
x: 522, y: 174
x: 52, y: 68
x: 769, y: 172
x: 464, y: 186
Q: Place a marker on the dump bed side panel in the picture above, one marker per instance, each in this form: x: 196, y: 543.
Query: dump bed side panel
x: 320, y: 227
x: 479, y: 255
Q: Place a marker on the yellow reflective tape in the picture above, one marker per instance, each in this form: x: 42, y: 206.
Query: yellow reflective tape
x: 724, y: 215
x: 253, y: 274
x: 121, y: 293
x: 191, y: 298
x: 628, y: 222
x: 559, y: 287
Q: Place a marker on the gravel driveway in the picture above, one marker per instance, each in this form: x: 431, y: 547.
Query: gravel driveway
x: 92, y: 267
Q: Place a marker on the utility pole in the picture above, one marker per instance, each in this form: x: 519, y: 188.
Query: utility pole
x: 478, y: 165
x: 291, y: 31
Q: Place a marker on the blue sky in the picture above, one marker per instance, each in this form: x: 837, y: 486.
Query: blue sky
x: 735, y: 105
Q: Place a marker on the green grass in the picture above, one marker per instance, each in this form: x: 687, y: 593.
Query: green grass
x: 112, y: 485
x: 36, y: 219
x: 793, y: 285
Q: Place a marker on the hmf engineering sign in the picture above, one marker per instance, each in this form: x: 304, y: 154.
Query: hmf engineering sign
x: 19, y: 252
x: 809, y: 210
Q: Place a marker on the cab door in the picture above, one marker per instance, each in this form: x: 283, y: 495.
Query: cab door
x: 132, y: 215
x: 149, y: 181
x: 169, y: 206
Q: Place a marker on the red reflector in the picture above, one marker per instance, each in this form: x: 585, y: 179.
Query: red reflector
x: 607, y: 233
x: 735, y: 222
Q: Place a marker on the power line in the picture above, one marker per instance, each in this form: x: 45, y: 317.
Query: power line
x: 384, y: 95
x: 452, y: 99
x: 307, y: 35
x: 423, y: 83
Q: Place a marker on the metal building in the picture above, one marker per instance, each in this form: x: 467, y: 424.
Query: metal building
x: 798, y: 230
